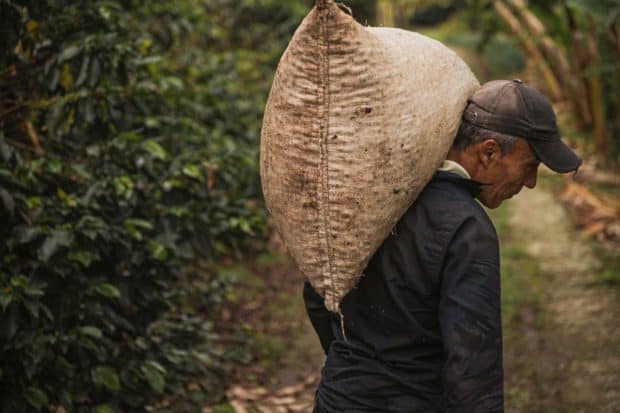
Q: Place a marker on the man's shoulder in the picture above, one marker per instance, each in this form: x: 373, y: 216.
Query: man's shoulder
x: 450, y: 198
x: 445, y: 205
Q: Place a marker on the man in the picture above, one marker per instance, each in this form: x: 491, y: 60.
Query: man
x: 423, y: 326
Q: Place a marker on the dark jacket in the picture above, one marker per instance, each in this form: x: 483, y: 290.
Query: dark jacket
x: 423, y: 326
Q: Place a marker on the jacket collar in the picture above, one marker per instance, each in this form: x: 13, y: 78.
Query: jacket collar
x: 473, y: 187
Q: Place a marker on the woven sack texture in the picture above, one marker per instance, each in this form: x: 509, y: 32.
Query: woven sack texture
x: 357, y: 121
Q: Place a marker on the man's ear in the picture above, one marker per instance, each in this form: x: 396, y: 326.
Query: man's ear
x: 489, y: 152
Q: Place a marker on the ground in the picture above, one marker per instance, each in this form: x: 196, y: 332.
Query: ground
x: 562, y: 348
x: 560, y: 316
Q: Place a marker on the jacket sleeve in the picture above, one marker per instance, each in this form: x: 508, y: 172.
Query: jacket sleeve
x: 320, y: 317
x: 470, y: 321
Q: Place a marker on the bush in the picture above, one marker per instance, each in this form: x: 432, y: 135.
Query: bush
x: 128, y: 155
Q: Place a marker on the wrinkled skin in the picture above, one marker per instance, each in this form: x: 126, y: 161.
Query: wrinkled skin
x: 503, y: 174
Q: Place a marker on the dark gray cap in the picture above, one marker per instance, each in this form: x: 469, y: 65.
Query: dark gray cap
x: 514, y: 108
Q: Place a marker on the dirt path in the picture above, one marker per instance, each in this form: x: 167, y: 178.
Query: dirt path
x: 291, y: 384
x: 572, y: 337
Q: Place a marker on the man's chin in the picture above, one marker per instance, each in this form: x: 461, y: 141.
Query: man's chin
x: 491, y: 204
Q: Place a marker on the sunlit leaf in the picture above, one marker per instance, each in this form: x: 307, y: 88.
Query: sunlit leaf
x: 158, y: 251
x: 108, y: 290
x: 192, y: 171
x: 69, y: 53
x: 155, y: 149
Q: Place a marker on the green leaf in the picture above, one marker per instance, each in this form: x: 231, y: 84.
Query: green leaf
x: 83, y: 71
x: 129, y: 137
x: 108, y: 290
x: 153, y: 372
x: 105, y: 376
x: 141, y: 223
x: 138, y: 223
x: 34, y: 291
x: 19, y: 282
x: 7, y: 201
x: 151, y: 122
x: 35, y: 397
x: 132, y: 226
x: 158, y: 251
x: 155, y: 149
x: 171, y: 184
x: 54, y: 166
x: 85, y: 258
x: 192, y: 171
x: 69, y: 53
x: 67, y: 200
x: 53, y: 243
x: 33, y: 202
x: 91, y: 331
x: 123, y: 186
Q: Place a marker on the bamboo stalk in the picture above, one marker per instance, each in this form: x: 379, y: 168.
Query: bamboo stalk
x: 530, y: 49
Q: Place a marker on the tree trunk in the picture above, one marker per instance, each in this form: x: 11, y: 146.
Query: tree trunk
x: 385, y: 13
x: 579, y: 63
x: 597, y: 99
x: 615, y: 41
x: 531, y: 49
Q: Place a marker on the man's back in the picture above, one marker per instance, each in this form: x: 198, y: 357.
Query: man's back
x: 423, y: 327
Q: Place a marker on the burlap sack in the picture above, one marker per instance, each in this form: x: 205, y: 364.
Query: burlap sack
x: 357, y: 121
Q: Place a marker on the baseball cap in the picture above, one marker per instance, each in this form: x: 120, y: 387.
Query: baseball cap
x: 517, y: 109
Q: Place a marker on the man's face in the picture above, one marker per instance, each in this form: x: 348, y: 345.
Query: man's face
x: 506, y: 174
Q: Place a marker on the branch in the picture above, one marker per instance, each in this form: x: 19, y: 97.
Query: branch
x: 34, y: 138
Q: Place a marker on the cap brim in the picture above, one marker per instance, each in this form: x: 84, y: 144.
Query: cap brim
x: 556, y: 155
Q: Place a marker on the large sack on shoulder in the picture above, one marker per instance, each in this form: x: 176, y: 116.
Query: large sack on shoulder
x: 357, y: 121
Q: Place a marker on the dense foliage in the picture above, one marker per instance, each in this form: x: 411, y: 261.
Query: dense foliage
x: 128, y: 157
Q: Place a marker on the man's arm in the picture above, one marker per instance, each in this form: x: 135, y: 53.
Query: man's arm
x: 320, y: 317
x: 470, y: 320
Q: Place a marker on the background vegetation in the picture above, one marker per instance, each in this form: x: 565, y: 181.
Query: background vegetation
x: 128, y: 150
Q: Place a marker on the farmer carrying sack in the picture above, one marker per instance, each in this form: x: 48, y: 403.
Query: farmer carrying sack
x: 357, y: 121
